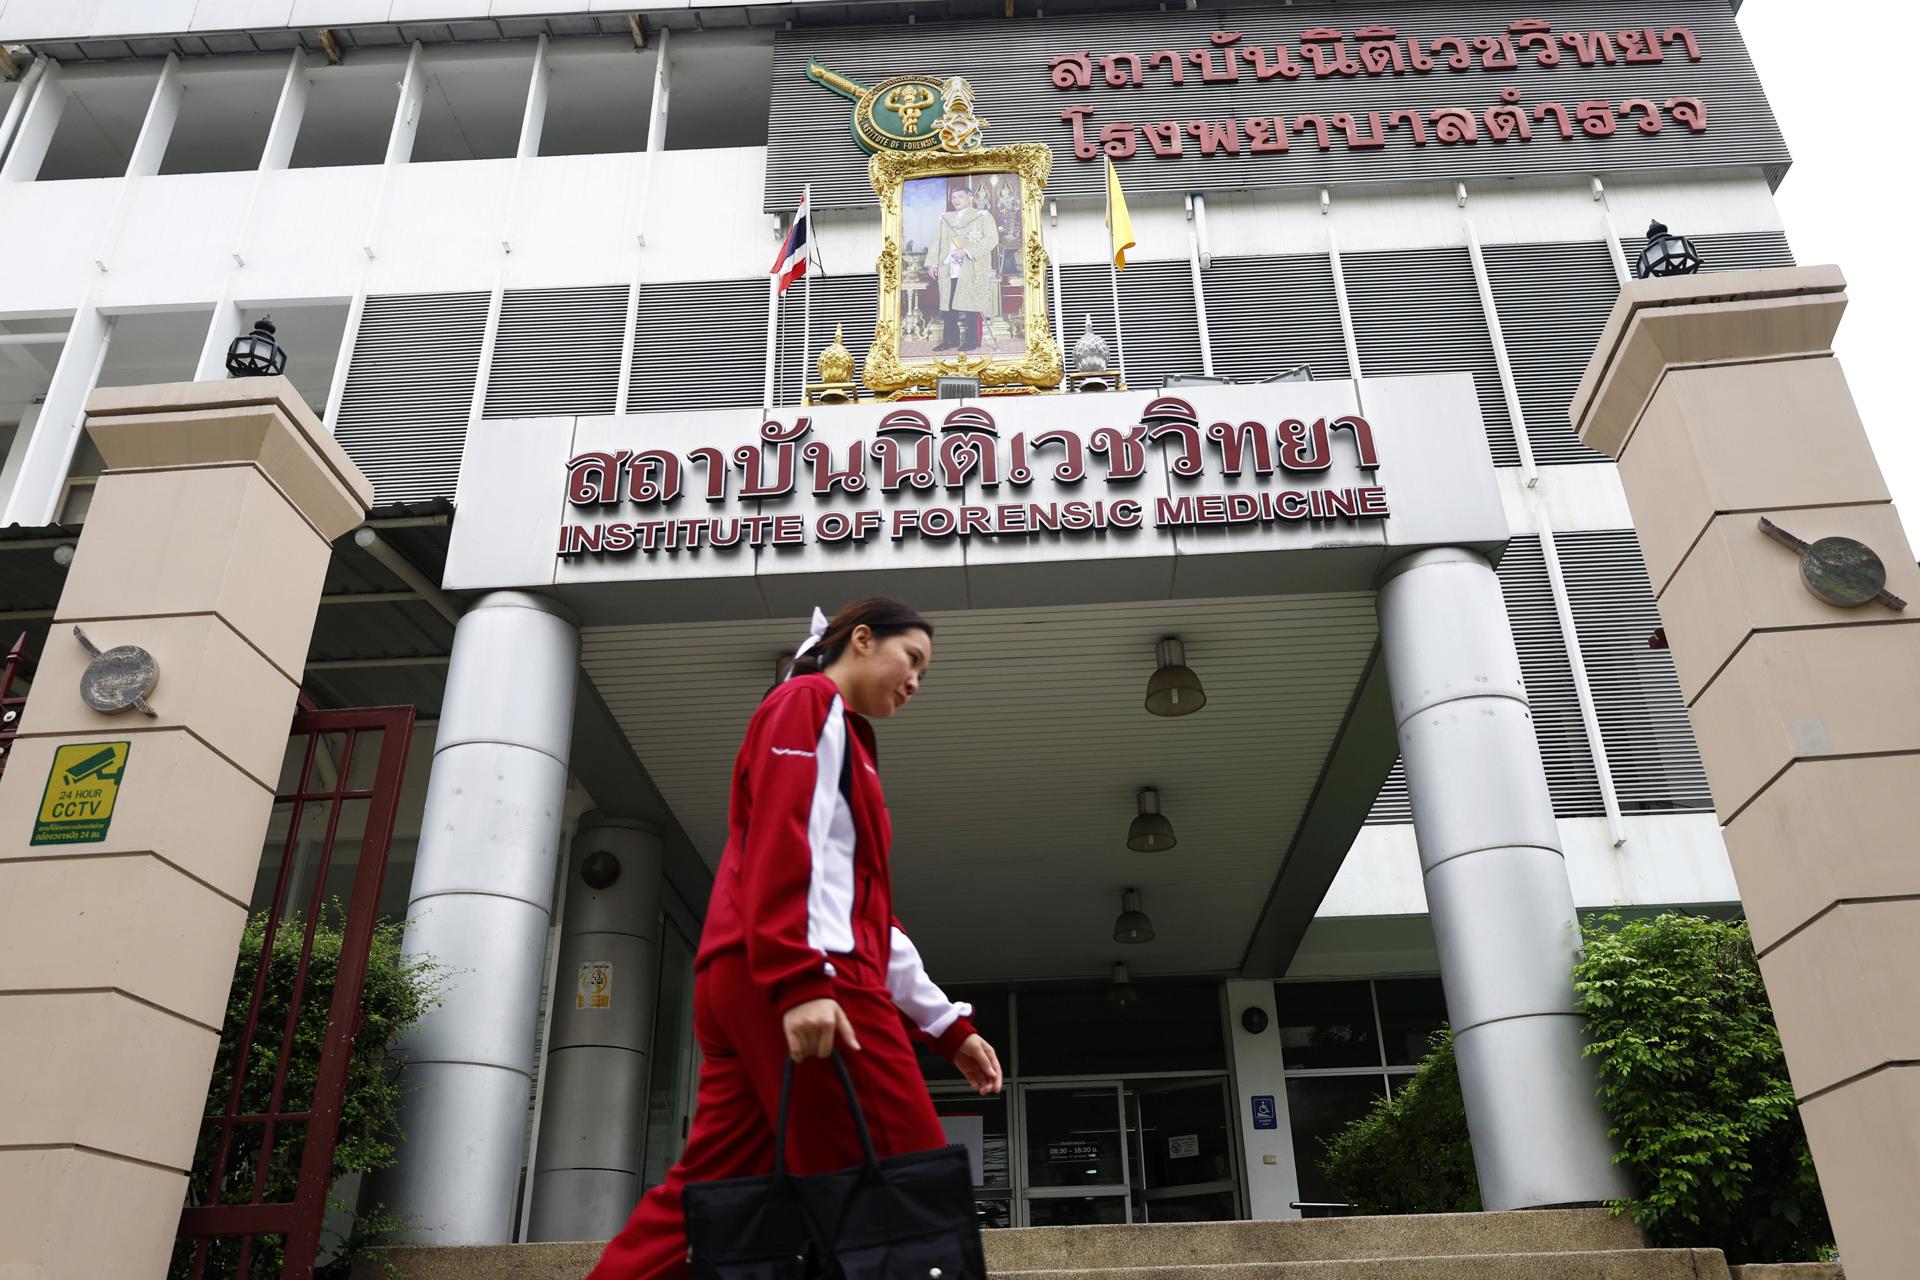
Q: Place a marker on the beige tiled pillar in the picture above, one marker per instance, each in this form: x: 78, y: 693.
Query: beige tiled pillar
x: 206, y: 544
x: 1723, y: 402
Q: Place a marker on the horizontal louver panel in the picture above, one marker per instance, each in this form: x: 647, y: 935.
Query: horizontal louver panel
x: 1643, y: 716
x: 557, y: 352
x: 1726, y: 251
x: 852, y: 302
x: 1159, y: 326
x: 699, y: 345
x: 1267, y: 314
x: 1418, y: 311
x: 1554, y: 706
x: 403, y: 412
x: 1553, y: 301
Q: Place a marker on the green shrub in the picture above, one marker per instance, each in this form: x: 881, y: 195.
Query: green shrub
x: 1411, y: 1153
x: 1692, y: 1074
x: 395, y: 995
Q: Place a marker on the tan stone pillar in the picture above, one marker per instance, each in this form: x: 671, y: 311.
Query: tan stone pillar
x: 206, y: 545
x: 1723, y: 402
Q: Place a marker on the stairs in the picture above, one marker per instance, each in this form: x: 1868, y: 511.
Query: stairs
x: 1552, y: 1244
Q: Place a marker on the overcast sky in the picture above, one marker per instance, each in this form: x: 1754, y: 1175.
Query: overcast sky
x: 1841, y: 205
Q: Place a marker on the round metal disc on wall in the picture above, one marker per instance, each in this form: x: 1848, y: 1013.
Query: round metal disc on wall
x: 119, y: 678
x: 1842, y: 571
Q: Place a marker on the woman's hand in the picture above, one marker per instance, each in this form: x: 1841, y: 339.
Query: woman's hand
x: 979, y: 1064
x: 813, y: 1027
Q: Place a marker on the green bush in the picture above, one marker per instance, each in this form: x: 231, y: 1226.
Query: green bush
x: 1692, y: 1074
x: 395, y: 995
x: 1411, y: 1153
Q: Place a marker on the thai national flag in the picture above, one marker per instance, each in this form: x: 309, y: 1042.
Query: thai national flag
x: 796, y: 248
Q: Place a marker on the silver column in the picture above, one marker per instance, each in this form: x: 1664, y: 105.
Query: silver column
x: 1496, y: 884
x: 587, y: 1171
x: 481, y: 898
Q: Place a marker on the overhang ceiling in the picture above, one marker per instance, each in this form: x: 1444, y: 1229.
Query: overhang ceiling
x: 1012, y: 776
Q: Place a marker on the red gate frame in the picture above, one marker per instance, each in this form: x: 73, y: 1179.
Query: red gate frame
x: 299, y: 1220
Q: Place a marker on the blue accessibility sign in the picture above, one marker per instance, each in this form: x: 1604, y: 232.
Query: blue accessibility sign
x: 1265, y: 1114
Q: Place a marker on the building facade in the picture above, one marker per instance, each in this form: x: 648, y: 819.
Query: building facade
x: 510, y: 252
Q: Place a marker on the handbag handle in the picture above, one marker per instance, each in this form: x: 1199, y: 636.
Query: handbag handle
x: 853, y: 1104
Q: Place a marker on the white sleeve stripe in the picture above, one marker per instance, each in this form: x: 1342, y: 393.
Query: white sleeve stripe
x: 830, y: 840
x: 915, y: 994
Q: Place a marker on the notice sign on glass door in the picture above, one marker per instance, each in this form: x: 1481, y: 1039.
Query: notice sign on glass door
x: 1184, y: 1147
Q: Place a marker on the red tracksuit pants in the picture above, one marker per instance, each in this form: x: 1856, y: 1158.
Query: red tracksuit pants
x: 743, y: 1050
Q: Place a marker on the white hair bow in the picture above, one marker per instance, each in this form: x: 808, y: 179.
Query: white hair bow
x: 815, y: 631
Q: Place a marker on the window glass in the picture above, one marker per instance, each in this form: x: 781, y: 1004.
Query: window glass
x: 1411, y: 1010
x: 1073, y: 1137
x: 1318, y: 1107
x: 1326, y: 1024
x: 1073, y: 1031
x: 979, y: 1124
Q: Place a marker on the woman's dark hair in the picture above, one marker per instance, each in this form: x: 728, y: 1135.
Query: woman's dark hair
x: 883, y: 616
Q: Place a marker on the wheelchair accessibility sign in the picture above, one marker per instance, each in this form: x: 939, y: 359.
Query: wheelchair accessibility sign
x: 82, y: 786
x: 1265, y: 1114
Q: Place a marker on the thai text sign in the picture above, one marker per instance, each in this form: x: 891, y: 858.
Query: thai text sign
x: 83, y: 784
x: 1236, y: 98
x: 966, y: 455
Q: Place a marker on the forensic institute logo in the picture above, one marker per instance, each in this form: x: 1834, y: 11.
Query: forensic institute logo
x: 904, y: 113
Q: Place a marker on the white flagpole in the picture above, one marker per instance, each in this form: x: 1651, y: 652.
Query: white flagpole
x: 806, y: 324
x: 1119, y: 340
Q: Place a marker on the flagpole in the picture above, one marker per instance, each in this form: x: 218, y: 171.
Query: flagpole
x: 1119, y: 339
x: 806, y: 305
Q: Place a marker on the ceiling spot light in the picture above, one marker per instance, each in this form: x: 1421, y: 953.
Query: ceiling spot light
x: 1150, y: 832
x: 256, y: 354
x: 1121, y: 995
x: 1132, y: 926
x: 1666, y: 254
x: 1174, y: 690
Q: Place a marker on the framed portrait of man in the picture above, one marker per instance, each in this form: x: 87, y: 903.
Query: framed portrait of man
x: 963, y: 270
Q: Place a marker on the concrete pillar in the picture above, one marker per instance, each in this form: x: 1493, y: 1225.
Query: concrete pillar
x: 1723, y: 402
x: 207, y: 544
x: 1496, y: 884
x: 594, y: 1109
x: 481, y: 899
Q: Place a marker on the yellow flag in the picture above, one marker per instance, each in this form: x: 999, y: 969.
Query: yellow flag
x: 1119, y: 225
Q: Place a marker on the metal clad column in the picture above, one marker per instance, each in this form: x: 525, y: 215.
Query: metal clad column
x: 480, y: 903
x: 1496, y: 884
x: 586, y: 1175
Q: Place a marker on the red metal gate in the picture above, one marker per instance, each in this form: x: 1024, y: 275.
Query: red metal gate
x: 232, y: 1205
x: 11, y: 704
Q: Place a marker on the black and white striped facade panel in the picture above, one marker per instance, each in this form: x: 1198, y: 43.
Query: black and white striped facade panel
x: 1600, y: 60
x: 556, y: 352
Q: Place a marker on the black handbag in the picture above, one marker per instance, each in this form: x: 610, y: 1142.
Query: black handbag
x: 908, y: 1217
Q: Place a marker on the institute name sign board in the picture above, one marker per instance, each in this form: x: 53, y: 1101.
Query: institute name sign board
x: 1000, y: 501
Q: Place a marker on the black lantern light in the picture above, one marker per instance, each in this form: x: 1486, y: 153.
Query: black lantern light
x: 1132, y: 926
x: 1666, y: 254
x: 256, y: 354
x: 1150, y: 832
x: 1120, y: 993
x: 1173, y: 689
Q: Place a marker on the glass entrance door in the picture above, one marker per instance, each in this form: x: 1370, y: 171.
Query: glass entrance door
x: 1076, y: 1154
x: 1181, y: 1151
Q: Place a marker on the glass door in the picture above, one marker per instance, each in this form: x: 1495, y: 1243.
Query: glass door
x: 1076, y: 1154
x: 1182, y: 1151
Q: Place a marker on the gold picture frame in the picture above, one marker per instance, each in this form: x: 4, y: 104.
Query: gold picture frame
x: 892, y: 370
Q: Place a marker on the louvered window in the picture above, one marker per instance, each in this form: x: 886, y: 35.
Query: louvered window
x: 1550, y: 694
x: 557, y: 352
x: 851, y: 301
x: 1554, y: 300
x: 1726, y: 251
x: 1418, y: 311
x: 1269, y: 313
x: 699, y: 345
x: 1159, y: 327
x: 403, y: 413
x: 1643, y: 716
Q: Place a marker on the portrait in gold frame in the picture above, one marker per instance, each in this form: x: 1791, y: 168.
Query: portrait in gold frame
x: 1028, y: 356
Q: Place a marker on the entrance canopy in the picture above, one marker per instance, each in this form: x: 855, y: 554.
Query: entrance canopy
x: 1053, y: 540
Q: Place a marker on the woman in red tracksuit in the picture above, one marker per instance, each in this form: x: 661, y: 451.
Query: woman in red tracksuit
x: 801, y: 951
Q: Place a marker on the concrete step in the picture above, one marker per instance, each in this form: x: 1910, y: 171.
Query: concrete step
x: 1307, y: 1240
x: 571, y: 1261
x: 1188, y: 1251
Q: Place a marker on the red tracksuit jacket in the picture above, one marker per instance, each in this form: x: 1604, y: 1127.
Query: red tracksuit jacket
x: 808, y: 838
